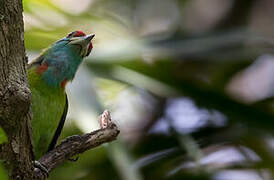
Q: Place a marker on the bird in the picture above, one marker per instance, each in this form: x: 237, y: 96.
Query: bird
x: 48, y: 75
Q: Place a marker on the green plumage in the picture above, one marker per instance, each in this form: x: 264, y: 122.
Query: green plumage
x: 48, y: 105
x: 47, y: 76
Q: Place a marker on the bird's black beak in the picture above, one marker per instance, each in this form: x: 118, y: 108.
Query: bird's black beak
x: 83, y: 40
x: 89, y: 37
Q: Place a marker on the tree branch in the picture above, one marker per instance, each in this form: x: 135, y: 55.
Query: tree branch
x: 75, y: 145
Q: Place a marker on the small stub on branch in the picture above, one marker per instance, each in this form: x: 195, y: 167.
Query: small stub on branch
x: 104, y: 119
x: 77, y: 144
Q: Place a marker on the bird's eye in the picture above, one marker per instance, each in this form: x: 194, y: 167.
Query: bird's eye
x: 70, y: 35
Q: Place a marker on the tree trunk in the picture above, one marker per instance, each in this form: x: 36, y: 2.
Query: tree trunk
x: 15, y: 96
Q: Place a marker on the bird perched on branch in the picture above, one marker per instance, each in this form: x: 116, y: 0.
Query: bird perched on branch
x: 48, y: 75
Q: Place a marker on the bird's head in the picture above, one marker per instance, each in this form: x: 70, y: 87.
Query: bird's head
x: 59, y: 63
x: 79, y: 42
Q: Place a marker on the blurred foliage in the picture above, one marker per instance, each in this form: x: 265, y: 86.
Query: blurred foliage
x: 3, y: 137
x: 3, y: 173
x: 185, y: 80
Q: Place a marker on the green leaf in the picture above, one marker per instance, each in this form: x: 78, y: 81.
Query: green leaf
x: 3, y: 173
x: 3, y: 137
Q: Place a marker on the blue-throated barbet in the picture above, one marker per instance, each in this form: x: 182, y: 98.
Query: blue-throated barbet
x: 48, y: 75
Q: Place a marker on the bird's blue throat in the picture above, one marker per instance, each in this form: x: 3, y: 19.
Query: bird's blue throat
x: 60, y: 64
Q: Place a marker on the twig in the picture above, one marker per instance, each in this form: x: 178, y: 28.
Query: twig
x: 75, y: 145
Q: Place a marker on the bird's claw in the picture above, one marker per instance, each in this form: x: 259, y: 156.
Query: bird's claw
x: 41, y: 167
x: 104, y: 119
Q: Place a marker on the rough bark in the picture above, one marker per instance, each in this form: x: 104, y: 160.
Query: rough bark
x: 15, y: 98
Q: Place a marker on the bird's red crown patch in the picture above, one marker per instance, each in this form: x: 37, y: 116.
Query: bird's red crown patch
x: 76, y: 34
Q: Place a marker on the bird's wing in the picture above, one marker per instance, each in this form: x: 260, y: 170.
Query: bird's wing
x: 60, y: 127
